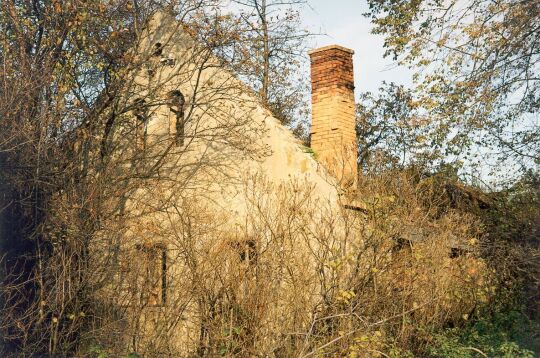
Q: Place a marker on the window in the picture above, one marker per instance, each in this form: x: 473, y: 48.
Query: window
x: 163, y: 60
x: 140, y: 111
x: 158, y: 49
x: 167, y: 61
x: 456, y: 252
x: 176, y: 103
x: 152, y: 274
x: 401, y: 244
x: 247, y: 251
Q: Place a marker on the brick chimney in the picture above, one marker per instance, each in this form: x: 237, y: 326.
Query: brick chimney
x: 333, y: 134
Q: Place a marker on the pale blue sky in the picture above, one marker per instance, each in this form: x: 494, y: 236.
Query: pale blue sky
x: 343, y: 24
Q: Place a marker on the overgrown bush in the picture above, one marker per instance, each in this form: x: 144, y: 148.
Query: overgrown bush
x: 504, y: 334
x: 302, y: 277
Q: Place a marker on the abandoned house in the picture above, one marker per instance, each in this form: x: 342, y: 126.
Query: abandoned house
x: 229, y: 151
x: 234, y: 206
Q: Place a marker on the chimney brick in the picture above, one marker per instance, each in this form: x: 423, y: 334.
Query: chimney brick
x: 333, y: 133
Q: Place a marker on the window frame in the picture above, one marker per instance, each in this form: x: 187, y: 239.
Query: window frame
x: 153, y: 251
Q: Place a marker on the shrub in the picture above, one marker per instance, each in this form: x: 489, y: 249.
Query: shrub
x: 504, y: 334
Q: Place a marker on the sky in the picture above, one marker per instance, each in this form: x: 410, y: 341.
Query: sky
x: 343, y: 24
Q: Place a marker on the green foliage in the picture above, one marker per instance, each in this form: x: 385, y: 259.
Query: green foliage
x: 98, y: 351
x: 132, y: 355
x: 395, y: 351
x: 504, y: 334
x: 387, y: 127
x: 310, y: 151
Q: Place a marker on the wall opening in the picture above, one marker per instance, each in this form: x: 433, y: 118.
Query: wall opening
x: 152, y: 273
x: 176, y: 102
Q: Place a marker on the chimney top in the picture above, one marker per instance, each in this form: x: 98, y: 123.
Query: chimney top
x: 333, y: 132
x: 331, y: 47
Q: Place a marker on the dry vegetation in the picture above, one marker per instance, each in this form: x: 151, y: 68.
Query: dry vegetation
x: 109, y: 246
x: 288, y: 283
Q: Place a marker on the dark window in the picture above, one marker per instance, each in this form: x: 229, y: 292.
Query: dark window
x: 167, y: 61
x: 158, y: 49
x: 140, y: 111
x: 177, y: 101
x: 152, y: 270
x: 456, y: 252
x: 247, y: 250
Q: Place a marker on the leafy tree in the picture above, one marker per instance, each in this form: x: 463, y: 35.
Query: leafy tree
x: 388, y: 128
x: 477, y: 66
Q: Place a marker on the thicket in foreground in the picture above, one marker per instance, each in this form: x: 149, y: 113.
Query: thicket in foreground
x: 366, y: 282
x: 382, y: 279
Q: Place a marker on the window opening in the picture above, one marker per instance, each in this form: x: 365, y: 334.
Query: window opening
x: 177, y: 102
x: 153, y: 274
x: 247, y: 251
x: 167, y: 61
x: 140, y: 111
x: 158, y: 49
